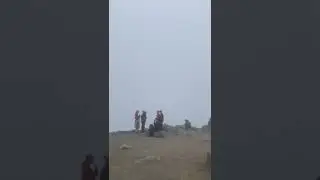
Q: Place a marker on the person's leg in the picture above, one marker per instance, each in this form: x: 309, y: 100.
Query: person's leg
x: 143, y: 126
x: 137, y: 126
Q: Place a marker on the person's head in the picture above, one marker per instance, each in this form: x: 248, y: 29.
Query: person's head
x: 89, y: 158
x: 137, y: 111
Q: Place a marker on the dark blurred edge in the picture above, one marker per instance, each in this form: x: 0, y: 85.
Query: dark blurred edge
x: 53, y: 87
x: 266, y: 97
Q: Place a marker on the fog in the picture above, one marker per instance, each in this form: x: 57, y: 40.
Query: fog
x: 160, y: 58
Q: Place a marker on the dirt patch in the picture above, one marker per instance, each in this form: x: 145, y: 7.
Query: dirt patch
x: 171, y: 158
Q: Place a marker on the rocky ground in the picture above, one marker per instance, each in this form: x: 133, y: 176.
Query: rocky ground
x: 177, y: 156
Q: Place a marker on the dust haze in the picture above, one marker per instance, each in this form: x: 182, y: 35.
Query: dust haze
x: 160, y: 58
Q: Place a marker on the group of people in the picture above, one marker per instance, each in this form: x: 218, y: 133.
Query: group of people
x: 157, y: 125
x: 141, y: 119
x: 89, y: 170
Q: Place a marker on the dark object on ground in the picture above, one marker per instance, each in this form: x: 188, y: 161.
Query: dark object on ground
x: 155, y: 128
x: 89, y: 170
x: 151, y: 130
x: 318, y: 178
x: 104, y: 175
x: 158, y: 126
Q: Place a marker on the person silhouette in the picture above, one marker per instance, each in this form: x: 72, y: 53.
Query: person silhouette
x: 89, y: 170
x: 143, y: 120
x: 137, y: 120
x: 104, y: 175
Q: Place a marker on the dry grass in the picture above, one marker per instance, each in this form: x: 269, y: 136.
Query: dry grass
x: 176, y: 158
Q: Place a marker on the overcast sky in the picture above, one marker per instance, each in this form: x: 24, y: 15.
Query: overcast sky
x: 160, y: 58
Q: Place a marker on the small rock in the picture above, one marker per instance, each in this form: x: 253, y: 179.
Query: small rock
x: 125, y: 146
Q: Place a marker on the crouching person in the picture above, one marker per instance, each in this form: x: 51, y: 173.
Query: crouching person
x: 151, y: 130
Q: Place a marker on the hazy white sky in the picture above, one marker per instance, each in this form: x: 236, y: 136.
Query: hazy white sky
x: 159, y: 59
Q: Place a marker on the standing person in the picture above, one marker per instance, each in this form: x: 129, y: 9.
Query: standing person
x: 161, y: 118
x: 137, y: 121
x: 143, y: 120
x: 187, y: 124
x: 157, y: 121
x: 104, y: 175
x: 89, y: 170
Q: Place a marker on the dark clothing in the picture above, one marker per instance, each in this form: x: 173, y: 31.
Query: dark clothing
x: 151, y: 130
x: 187, y: 125
x: 158, y: 125
x: 158, y: 117
x: 104, y: 175
x: 161, y: 118
x: 155, y: 127
x: 143, y: 117
x: 143, y: 124
x: 87, y: 172
x: 159, y: 122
